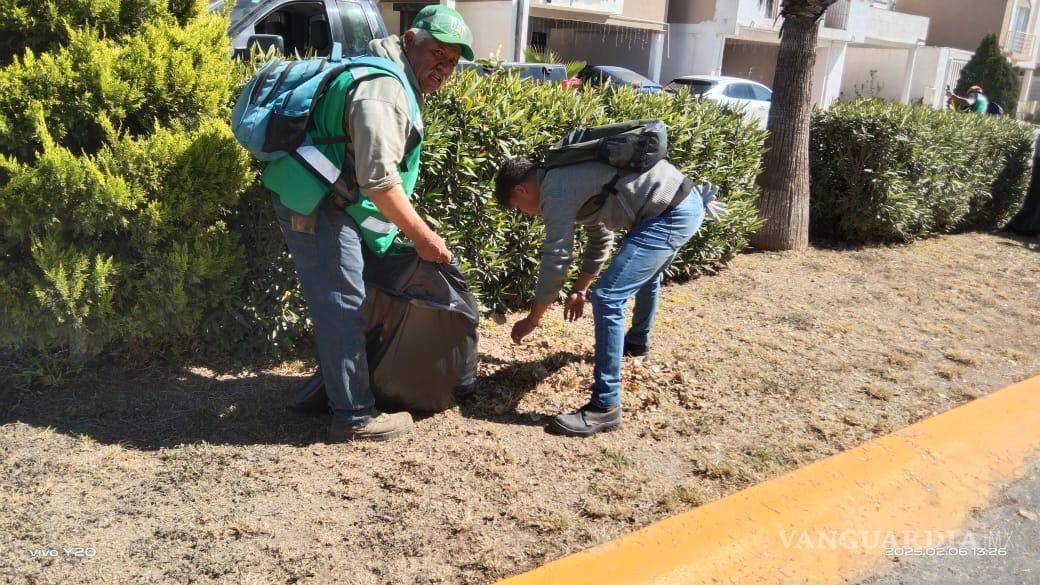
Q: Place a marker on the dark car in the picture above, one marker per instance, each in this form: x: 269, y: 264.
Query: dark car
x: 303, y: 26
x: 602, y: 75
x: 540, y: 72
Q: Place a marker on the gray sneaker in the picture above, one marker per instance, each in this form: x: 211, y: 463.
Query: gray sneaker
x: 586, y: 421
x: 382, y: 427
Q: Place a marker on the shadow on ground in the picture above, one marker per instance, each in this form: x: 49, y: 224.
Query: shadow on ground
x: 1017, y: 241
x: 500, y: 391
x: 166, y: 408
x: 169, y: 408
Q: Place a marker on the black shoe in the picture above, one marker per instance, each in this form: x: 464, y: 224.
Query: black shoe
x: 586, y: 421
x: 636, y: 350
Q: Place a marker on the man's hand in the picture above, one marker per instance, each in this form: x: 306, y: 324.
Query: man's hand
x: 394, y: 204
x: 433, y: 249
x: 523, y: 328
x: 574, y: 306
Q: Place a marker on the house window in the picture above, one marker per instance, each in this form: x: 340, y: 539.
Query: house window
x: 1019, y: 39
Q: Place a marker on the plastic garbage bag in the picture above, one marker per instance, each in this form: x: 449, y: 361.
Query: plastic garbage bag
x: 421, y: 333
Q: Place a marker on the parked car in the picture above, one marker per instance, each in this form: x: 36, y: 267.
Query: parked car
x: 753, y: 97
x: 540, y: 72
x: 601, y: 75
x: 303, y: 26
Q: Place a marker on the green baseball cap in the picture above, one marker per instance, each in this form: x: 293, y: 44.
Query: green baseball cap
x: 446, y: 25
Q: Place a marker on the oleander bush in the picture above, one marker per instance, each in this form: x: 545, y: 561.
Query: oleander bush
x: 887, y: 172
x: 475, y: 122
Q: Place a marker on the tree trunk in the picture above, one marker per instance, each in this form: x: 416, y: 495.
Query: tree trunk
x: 784, y: 202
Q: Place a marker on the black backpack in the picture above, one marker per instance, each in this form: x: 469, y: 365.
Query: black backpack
x: 994, y: 109
x: 636, y: 145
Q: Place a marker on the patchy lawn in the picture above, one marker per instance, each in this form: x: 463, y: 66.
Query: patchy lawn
x: 189, y: 476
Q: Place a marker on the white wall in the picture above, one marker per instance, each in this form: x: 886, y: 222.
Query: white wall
x: 875, y: 73
x: 492, y: 23
x: 692, y: 49
x: 936, y: 68
x: 828, y: 73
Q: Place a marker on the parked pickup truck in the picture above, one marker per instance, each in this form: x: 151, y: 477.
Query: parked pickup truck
x: 303, y: 26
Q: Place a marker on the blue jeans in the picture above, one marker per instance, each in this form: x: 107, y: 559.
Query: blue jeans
x: 329, y: 265
x: 637, y: 269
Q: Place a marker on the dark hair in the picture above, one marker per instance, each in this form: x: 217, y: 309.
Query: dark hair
x: 512, y: 172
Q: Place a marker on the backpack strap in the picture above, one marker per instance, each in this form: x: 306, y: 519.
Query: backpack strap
x: 597, y: 201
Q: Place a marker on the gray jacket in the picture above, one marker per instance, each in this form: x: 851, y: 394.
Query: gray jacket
x: 564, y: 190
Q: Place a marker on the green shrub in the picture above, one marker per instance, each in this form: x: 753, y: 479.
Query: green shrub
x: 475, y: 122
x: 887, y: 172
x: 996, y: 74
x: 117, y: 177
x: 132, y: 221
x: 39, y: 25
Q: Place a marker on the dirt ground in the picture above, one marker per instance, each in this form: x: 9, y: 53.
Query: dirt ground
x: 182, y: 475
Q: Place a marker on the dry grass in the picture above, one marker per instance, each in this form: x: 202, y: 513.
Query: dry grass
x: 199, y: 474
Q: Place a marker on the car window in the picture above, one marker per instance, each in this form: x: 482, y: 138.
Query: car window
x: 761, y: 93
x: 624, y: 76
x: 356, y: 30
x: 303, y: 27
x: 697, y: 86
x: 590, y: 76
x: 740, y: 91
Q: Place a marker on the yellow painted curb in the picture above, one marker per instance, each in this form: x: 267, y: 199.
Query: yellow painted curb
x: 829, y: 522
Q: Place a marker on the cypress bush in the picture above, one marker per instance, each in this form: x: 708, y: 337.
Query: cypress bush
x: 117, y: 176
x: 888, y: 172
x: 994, y: 73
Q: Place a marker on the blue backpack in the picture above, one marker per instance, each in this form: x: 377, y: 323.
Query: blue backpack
x: 273, y: 113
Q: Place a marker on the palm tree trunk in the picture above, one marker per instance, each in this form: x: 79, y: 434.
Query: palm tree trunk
x: 784, y: 202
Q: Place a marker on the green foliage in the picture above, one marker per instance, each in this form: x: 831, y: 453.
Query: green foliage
x: 887, y: 172
x: 532, y: 55
x: 991, y: 70
x: 475, y: 122
x: 40, y: 25
x: 81, y: 91
x: 118, y: 173
x: 131, y: 221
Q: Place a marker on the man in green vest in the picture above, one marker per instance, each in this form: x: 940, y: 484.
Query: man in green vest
x: 382, y: 118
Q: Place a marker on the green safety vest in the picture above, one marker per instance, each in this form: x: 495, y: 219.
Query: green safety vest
x: 302, y: 192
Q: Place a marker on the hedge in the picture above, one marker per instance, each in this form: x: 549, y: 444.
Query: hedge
x: 885, y: 172
x: 133, y: 224
x: 473, y: 123
x: 118, y: 175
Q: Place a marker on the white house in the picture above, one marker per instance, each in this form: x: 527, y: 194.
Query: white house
x: 741, y: 38
x: 628, y: 33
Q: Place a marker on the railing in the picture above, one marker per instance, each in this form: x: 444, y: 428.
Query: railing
x: 1020, y: 43
x: 837, y: 16
x: 612, y: 6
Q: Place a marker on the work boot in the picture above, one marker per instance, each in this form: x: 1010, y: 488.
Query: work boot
x: 586, y: 421
x: 382, y: 427
x: 636, y: 350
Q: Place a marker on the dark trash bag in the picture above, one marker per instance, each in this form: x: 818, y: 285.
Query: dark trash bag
x: 421, y: 332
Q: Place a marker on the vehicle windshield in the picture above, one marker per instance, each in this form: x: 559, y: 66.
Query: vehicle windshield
x: 239, y: 12
x: 697, y: 86
x: 630, y: 77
